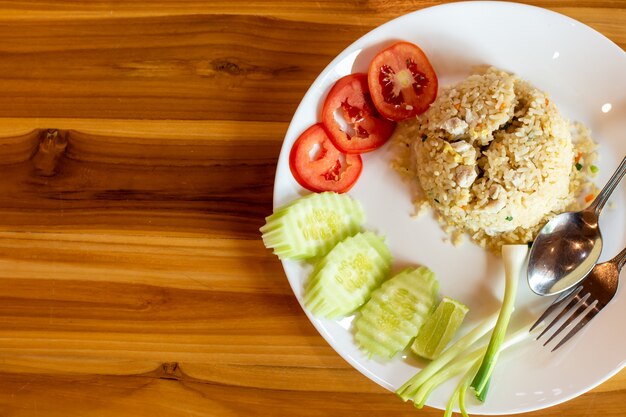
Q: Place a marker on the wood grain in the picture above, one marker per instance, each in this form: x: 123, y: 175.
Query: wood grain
x: 134, y: 279
x: 212, y: 60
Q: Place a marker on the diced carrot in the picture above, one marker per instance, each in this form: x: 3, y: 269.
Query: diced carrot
x: 457, y: 106
x: 589, y: 198
x: 579, y: 155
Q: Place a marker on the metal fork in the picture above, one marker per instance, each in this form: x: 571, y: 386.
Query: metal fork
x: 586, y: 300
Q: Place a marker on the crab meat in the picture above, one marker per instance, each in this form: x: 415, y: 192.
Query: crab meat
x: 464, y: 175
x: 454, y: 126
x: 497, y: 194
x: 461, y: 146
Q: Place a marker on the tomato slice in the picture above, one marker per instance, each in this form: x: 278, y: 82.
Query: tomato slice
x: 319, y: 166
x: 402, y: 81
x: 364, y: 129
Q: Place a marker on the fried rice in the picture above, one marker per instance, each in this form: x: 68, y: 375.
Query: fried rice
x: 495, y: 159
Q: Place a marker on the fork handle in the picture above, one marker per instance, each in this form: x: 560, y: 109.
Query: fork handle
x: 604, y: 195
x: 619, y: 260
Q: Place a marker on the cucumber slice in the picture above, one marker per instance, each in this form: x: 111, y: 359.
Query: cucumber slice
x: 396, y: 311
x: 312, y: 225
x: 439, y: 328
x: 343, y: 280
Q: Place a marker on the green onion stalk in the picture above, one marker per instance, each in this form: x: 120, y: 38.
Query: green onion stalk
x: 411, y: 387
x: 514, y: 257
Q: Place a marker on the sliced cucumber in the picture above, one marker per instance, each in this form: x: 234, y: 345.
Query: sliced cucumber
x: 312, y: 225
x: 343, y: 280
x: 396, y: 311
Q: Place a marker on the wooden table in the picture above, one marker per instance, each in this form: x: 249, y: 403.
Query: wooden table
x: 134, y: 282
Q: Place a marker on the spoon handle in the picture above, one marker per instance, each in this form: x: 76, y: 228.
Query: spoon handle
x: 604, y: 195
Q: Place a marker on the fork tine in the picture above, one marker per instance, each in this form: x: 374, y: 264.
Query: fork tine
x: 580, y: 307
x: 554, y: 305
x: 582, y: 323
x: 573, y: 302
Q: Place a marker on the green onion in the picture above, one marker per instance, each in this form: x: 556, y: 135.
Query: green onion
x: 508, y: 218
x: 472, y: 367
x: 464, y: 385
x: 468, y: 364
x: 452, y: 369
x: 514, y: 257
x: 481, y: 397
x: 594, y: 169
x: 453, y: 399
x: 410, y: 388
x: 579, y: 166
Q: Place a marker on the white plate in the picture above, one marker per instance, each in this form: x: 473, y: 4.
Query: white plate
x: 584, y: 73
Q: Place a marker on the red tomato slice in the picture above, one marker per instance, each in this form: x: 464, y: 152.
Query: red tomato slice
x: 402, y: 82
x: 364, y: 128
x: 327, y: 169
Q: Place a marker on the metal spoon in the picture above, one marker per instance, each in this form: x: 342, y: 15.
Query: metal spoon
x: 569, y: 245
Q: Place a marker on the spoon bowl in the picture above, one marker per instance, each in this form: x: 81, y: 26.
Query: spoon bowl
x: 569, y: 245
x: 564, y: 251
